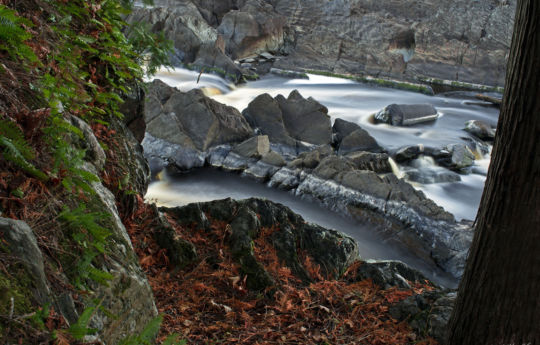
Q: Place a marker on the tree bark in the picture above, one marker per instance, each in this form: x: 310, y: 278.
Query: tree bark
x: 498, y: 300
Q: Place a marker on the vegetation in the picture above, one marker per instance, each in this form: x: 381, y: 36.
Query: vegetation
x: 60, y: 59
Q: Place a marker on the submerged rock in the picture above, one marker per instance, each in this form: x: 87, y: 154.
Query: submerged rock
x: 407, y: 114
x: 461, y: 158
x: 480, y: 129
x: 429, y: 176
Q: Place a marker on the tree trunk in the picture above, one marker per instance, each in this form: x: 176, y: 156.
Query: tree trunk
x: 498, y: 300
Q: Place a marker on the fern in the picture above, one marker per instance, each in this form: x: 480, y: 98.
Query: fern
x: 91, y: 238
x: 80, y: 328
x: 149, y: 333
x: 17, y: 150
x: 13, y: 35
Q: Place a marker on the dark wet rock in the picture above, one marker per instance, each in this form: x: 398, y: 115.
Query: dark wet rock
x: 253, y: 147
x: 407, y: 114
x: 311, y: 159
x: 359, y: 140
x: 428, y: 176
x: 332, y: 166
x: 343, y: 128
x: 480, y: 130
x: 179, y: 251
x: 254, y: 28
x: 290, y: 121
x: 273, y: 158
x: 350, y: 137
x: 408, y: 153
x: 377, y: 162
x: 265, y: 114
x: 133, y: 111
x: 460, y: 160
x: 305, y: 119
x: 19, y: 241
x: 191, y: 215
x: 333, y: 251
x: 427, y: 313
x: 191, y: 119
x: 388, y: 274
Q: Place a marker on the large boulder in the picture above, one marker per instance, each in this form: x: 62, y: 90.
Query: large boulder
x: 264, y: 113
x: 291, y: 121
x: 350, y: 137
x: 255, y: 28
x: 305, y: 119
x: 407, y: 114
x: 192, y: 120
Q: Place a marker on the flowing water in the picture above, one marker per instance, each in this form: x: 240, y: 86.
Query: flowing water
x: 353, y: 102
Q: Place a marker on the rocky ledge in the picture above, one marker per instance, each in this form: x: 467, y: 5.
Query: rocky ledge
x: 274, y: 249
x: 289, y: 143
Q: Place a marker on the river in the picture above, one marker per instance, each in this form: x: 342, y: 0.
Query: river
x: 353, y: 102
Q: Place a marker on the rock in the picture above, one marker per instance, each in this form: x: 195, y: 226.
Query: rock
x: 408, y: 153
x: 330, y: 249
x: 460, y: 160
x: 273, y: 158
x: 255, y: 147
x: 179, y: 251
x: 190, y: 120
x: 195, y: 41
x: 407, y: 114
x: 332, y: 166
x: 260, y: 171
x: 287, y: 121
x: 265, y: 114
x: 133, y: 111
x: 377, y: 162
x: 22, y: 244
x: 285, y: 179
x: 387, y: 274
x: 386, y: 36
x: 343, y: 128
x: 254, y: 28
x: 427, y: 313
x: 428, y: 176
x: 359, y: 140
x: 480, y: 129
x: 94, y: 151
x: 305, y: 119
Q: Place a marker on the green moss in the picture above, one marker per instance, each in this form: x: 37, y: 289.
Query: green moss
x: 455, y: 85
x: 18, y: 285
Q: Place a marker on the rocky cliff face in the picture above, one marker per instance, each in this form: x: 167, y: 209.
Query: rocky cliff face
x: 453, y: 40
x: 460, y: 40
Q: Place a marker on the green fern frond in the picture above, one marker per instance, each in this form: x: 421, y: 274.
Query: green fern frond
x: 16, y: 149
